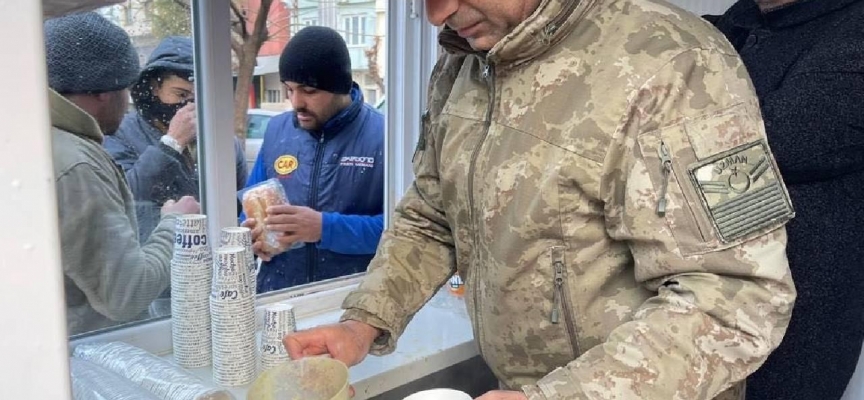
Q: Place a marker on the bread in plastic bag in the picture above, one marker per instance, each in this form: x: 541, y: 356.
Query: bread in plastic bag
x: 256, y: 200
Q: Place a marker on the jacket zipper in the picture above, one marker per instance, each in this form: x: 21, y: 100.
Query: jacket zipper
x: 312, y: 251
x: 489, y: 76
x: 561, y: 300
x: 552, y: 27
x: 666, y: 166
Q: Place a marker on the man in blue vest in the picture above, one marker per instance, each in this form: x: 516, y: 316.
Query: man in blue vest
x: 328, y: 153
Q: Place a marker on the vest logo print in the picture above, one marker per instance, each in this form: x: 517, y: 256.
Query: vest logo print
x: 285, y: 165
x: 365, y: 162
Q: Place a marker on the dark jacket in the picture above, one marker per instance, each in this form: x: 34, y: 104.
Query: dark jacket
x: 155, y: 172
x: 339, y: 172
x: 807, y: 64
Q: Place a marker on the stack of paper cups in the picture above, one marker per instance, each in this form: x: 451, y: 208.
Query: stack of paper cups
x: 191, y: 274
x: 239, y: 236
x: 232, y: 309
x: 278, y: 322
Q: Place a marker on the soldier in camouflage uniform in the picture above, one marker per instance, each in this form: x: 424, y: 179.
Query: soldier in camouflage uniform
x: 597, y: 170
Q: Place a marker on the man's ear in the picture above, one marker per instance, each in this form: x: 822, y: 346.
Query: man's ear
x: 104, y: 98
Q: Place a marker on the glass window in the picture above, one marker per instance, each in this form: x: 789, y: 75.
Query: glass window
x: 354, y: 30
x: 306, y: 181
x: 138, y: 155
x: 257, y: 126
x: 117, y: 253
x: 274, y: 95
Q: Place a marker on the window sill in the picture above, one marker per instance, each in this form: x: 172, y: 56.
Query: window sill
x: 439, y: 336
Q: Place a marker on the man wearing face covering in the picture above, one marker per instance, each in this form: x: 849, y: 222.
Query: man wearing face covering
x: 155, y: 144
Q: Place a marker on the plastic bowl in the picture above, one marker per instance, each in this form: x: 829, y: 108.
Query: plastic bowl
x: 315, y: 378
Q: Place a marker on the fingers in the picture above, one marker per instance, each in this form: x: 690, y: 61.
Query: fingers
x: 281, y: 209
x: 286, y: 228
x: 258, y: 249
x: 305, y: 343
x: 280, y: 219
x: 249, y: 223
x: 288, y: 240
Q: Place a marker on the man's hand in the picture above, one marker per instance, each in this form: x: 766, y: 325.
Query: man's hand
x: 186, y: 205
x: 347, y: 341
x: 257, y: 246
x: 503, y: 395
x: 183, y: 126
x: 297, y: 224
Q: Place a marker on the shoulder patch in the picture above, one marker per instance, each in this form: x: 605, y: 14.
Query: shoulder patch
x: 741, y: 190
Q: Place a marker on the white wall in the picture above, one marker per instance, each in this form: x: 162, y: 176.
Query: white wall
x: 702, y: 7
x: 33, y: 342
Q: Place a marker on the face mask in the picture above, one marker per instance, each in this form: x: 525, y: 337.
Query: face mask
x: 156, y: 110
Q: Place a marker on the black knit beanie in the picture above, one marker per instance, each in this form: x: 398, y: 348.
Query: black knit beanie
x: 86, y: 53
x: 318, y: 57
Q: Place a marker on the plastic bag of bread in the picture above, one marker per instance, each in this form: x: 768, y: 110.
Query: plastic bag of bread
x: 256, y: 200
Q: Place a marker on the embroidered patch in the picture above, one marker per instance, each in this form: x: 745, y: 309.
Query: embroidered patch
x: 285, y: 165
x: 741, y: 191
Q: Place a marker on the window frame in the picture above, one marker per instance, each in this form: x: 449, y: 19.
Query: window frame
x: 35, y: 240
x: 353, y: 29
x: 215, y: 111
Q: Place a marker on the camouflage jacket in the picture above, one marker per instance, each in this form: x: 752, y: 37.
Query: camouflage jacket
x: 601, y: 180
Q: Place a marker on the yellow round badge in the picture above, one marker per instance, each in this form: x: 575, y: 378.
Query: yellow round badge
x: 285, y: 165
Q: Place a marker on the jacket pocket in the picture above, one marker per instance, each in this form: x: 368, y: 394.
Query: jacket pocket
x: 562, y: 309
x: 691, y: 230
x: 716, y: 181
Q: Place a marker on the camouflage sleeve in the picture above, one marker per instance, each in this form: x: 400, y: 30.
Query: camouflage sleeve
x: 416, y: 255
x: 690, y: 184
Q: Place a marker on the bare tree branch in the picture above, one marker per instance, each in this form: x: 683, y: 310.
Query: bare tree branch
x: 240, y: 18
x: 280, y: 29
x: 260, y: 29
x: 237, y: 46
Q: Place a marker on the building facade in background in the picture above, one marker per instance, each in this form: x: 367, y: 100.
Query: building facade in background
x: 362, y: 23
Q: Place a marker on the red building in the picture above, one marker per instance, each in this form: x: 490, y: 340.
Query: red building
x: 278, y: 25
x: 279, y: 29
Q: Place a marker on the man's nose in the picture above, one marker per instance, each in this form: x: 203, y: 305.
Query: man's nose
x: 437, y: 11
x: 297, y: 100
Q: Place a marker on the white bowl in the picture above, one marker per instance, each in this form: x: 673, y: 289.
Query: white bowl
x: 439, y: 394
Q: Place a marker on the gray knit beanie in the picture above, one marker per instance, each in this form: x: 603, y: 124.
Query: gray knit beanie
x: 86, y: 53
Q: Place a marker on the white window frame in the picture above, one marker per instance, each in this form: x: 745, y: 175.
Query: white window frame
x: 353, y: 28
x: 274, y: 95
